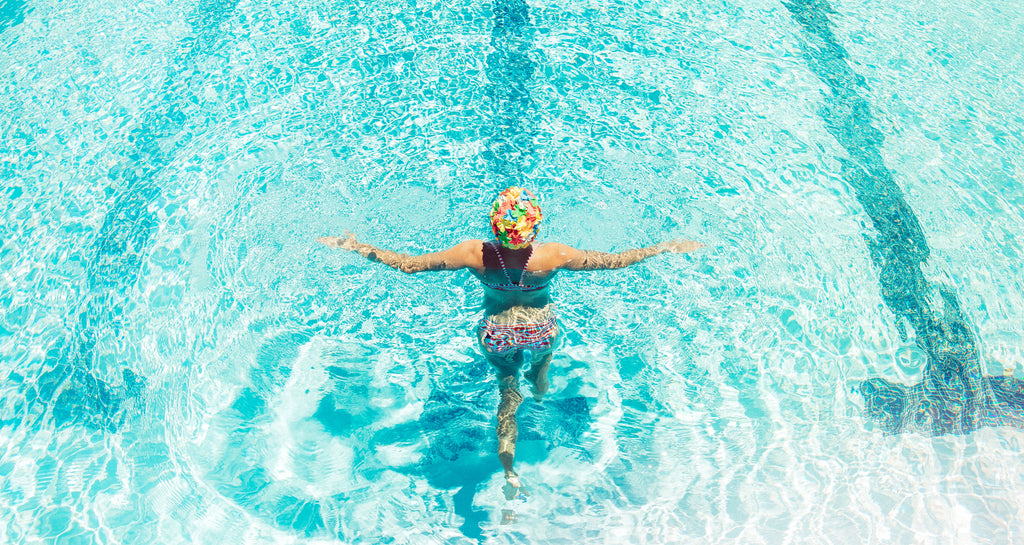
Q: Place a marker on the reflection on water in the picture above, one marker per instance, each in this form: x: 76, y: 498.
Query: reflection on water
x: 194, y: 369
x: 12, y: 12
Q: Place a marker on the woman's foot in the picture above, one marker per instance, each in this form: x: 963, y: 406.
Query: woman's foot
x: 514, y: 489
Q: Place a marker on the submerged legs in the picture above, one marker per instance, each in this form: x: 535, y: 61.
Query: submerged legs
x: 538, y: 376
x: 511, y: 398
x: 508, y: 431
x: 532, y: 343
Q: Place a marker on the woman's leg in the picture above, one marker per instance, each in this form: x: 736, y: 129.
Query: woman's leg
x: 508, y: 388
x: 538, y: 376
x: 538, y: 373
x: 508, y: 431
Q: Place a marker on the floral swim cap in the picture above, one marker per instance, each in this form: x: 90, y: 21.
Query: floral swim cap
x: 515, y: 218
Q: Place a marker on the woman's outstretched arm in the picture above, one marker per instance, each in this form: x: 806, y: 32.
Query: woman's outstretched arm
x: 462, y: 255
x: 585, y: 260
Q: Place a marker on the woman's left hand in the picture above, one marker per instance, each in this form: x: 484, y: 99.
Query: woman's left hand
x: 346, y: 242
x: 680, y: 246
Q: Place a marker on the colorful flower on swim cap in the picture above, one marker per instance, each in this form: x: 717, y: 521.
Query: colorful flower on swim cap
x: 515, y: 218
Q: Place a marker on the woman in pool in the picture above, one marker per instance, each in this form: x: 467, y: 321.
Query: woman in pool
x: 519, y: 327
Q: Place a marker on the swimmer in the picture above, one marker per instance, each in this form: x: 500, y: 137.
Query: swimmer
x: 519, y: 327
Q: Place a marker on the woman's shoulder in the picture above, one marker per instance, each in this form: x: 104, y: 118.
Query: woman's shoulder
x: 471, y: 245
x: 553, y: 255
x: 557, y: 249
x: 468, y: 253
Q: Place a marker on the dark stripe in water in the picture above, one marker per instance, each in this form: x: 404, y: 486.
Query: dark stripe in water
x: 510, y: 70
x: 12, y: 13
x: 129, y: 224
x: 70, y: 384
x: 954, y: 397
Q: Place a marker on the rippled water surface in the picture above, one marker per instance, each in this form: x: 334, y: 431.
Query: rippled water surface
x: 180, y: 362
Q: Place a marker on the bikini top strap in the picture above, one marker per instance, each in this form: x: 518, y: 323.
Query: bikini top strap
x: 522, y: 274
x: 497, y: 253
x: 501, y: 261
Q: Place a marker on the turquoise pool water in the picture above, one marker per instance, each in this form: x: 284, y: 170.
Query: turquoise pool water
x: 181, y: 363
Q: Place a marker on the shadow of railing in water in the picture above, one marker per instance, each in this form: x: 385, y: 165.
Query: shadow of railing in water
x: 953, y: 397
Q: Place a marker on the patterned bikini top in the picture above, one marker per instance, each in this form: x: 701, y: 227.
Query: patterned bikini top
x: 510, y: 285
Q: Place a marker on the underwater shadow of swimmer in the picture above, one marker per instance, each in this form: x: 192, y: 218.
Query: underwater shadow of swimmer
x: 254, y: 487
x: 455, y: 430
x: 463, y: 451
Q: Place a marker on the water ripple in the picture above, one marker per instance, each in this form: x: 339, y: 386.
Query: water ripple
x: 164, y: 179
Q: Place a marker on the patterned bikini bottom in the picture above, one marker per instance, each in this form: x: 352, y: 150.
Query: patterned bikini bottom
x: 506, y: 339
